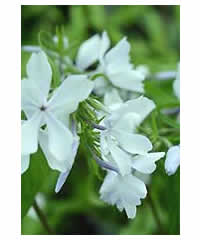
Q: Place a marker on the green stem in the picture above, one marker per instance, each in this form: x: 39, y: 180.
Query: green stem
x: 42, y: 218
x: 154, y: 125
x: 99, y: 75
x: 155, y: 213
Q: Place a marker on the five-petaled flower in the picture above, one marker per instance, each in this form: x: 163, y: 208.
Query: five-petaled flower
x: 51, y: 111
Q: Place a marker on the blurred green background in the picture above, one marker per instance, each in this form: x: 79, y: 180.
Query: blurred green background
x: 153, y: 32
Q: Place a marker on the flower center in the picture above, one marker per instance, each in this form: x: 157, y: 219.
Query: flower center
x: 43, y: 108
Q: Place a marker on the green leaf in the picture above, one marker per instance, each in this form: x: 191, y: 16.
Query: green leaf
x: 161, y: 92
x: 170, y: 122
x: 32, y: 180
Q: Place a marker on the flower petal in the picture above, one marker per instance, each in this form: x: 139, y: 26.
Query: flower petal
x: 112, y: 99
x: 39, y: 70
x: 100, y: 86
x: 88, y: 52
x: 73, y: 90
x: 133, y: 143
x: 141, y: 106
x: 29, y: 133
x: 128, y: 122
x: 105, y: 44
x: 60, y: 138
x: 125, y: 192
x: 31, y: 97
x: 172, y: 161
x: 129, y: 80
x: 54, y: 163
x: 103, y: 143
x: 25, y: 161
x: 146, y: 163
x: 63, y: 176
x: 122, y: 159
x: 61, y: 180
x: 119, y: 54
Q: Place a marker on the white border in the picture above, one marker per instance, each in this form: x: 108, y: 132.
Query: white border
x: 100, y: 2
x: 10, y: 156
x: 10, y: 118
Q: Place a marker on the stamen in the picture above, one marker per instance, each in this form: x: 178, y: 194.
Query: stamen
x: 104, y: 164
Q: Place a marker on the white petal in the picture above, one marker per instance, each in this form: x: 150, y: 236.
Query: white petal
x: 172, y: 161
x: 39, y: 71
x: 63, y: 176
x: 100, y: 86
x: 125, y: 192
x: 130, y: 211
x: 122, y: 159
x: 29, y: 134
x: 88, y: 52
x: 141, y: 106
x: 54, y: 163
x: 73, y: 90
x: 112, y: 99
x: 105, y: 44
x: 119, y: 54
x: 146, y: 163
x: 103, y: 143
x: 145, y: 178
x: 62, y: 166
x: 61, y: 180
x: 129, y: 80
x: 60, y: 138
x: 128, y: 122
x: 31, y: 97
x: 144, y: 70
x: 133, y: 143
x: 25, y: 161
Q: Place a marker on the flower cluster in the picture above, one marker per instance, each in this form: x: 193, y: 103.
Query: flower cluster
x: 56, y: 116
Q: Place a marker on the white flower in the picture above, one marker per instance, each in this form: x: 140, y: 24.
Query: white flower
x: 172, y: 161
x: 115, y: 65
x: 118, y: 142
x: 125, y: 192
x: 176, y: 84
x: 41, y: 110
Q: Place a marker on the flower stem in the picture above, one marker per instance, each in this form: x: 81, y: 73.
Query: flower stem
x: 42, y: 218
x: 155, y: 213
